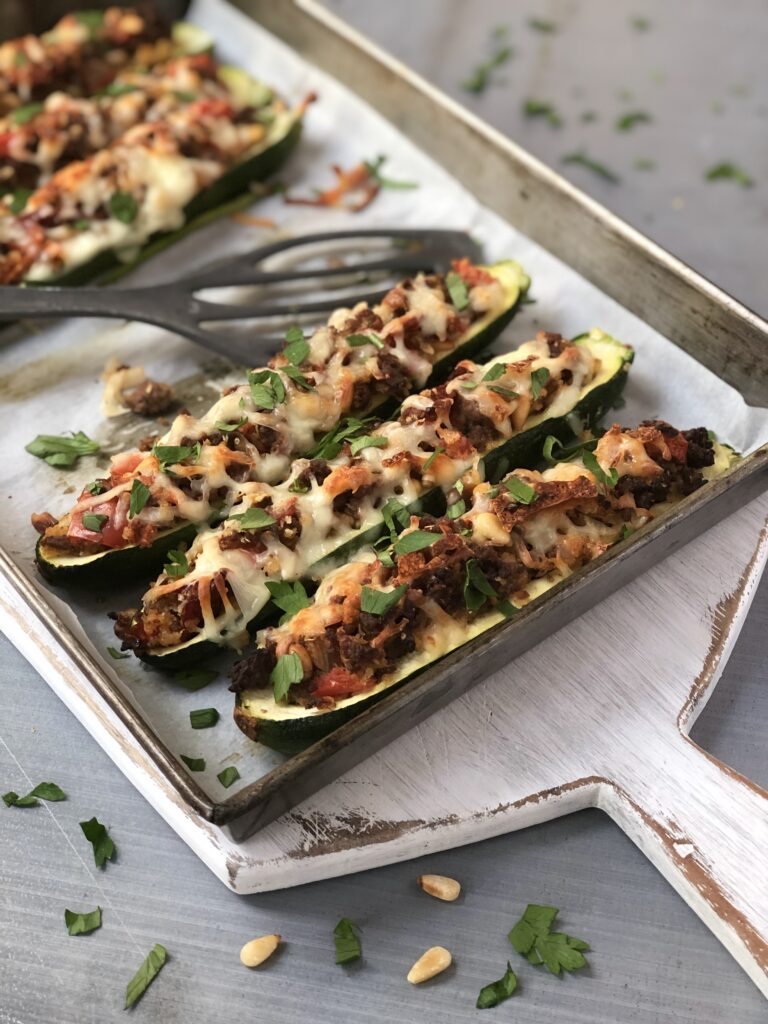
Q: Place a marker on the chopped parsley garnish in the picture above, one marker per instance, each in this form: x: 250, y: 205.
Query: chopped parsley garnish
x: 177, y: 564
x: 286, y: 672
x: 194, y: 679
x: 395, y: 514
x: 117, y: 89
x: 203, y: 718
x: 532, y: 938
x: 431, y: 459
x: 62, y: 451
x: 639, y: 23
x: 81, y: 224
x: 267, y: 388
x: 346, y: 942
x: 374, y: 170
x: 172, y: 454
x: 495, y: 371
x: 95, y: 487
x: 458, y: 507
x: 628, y: 121
x: 477, y: 589
x: 139, y: 498
x: 541, y: 25
x: 358, y: 340
x: 90, y: 18
x: 185, y: 95
x: 505, y: 393
x: 42, y: 791
x: 255, y: 519
x: 23, y: 115
x: 195, y: 764
x: 415, y: 541
x: 608, y: 479
x: 538, y: 379
x: 145, y: 975
x: 381, y: 548
x: 19, y: 199
x: 479, y: 80
x: 644, y: 163
x: 497, y: 991
x: 520, y: 491
x: 729, y: 172
x: 548, y: 451
x: 229, y: 775
x: 297, y: 347
x: 540, y: 108
x: 229, y: 428
x: 626, y: 531
x: 117, y: 655
x: 379, y: 602
x: 367, y: 441
x: 82, y: 924
x: 123, y: 207
x: 290, y: 598
x: 104, y: 848
x: 295, y: 374
x: 457, y: 290
x: 299, y: 486
x: 582, y: 160
x: 20, y: 59
x: 329, y: 446
x: 94, y: 522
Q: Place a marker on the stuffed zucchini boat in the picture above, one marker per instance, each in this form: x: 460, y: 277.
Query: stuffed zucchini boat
x: 373, y: 624
x: 150, y: 182
x: 360, y: 360
x: 328, y: 507
x: 65, y: 128
x: 84, y: 51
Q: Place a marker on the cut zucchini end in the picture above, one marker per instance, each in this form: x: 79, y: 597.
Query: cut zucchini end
x: 107, y: 567
x: 190, y: 40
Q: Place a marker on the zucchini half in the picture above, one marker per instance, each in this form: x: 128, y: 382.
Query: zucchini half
x: 521, y: 450
x: 290, y: 728
x: 132, y: 562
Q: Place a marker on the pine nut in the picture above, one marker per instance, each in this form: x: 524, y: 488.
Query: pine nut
x: 440, y: 886
x: 433, y: 962
x: 258, y: 950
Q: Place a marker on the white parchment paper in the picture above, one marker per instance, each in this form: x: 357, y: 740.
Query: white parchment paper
x: 49, y: 375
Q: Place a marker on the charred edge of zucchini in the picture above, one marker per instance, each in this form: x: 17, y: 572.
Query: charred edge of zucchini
x: 225, y: 196
x: 293, y: 729
x: 519, y: 451
x: 107, y: 568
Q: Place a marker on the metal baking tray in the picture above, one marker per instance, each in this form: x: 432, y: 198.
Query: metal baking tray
x: 698, y: 317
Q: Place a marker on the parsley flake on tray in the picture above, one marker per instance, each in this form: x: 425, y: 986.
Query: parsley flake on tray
x: 62, y: 451
x: 82, y: 924
x: 346, y: 941
x: 104, y: 848
x: 532, y: 938
x: 42, y: 791
x: 146, y: 974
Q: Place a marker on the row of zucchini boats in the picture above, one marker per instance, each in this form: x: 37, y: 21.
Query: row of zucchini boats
x: 372, y: 499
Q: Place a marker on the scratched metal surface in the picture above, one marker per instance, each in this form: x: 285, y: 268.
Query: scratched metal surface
x: 654, y: 962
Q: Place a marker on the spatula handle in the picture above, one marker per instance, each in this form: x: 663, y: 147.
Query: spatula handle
x: 705, y: 827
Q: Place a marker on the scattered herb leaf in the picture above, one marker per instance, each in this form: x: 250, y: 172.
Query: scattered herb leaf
x: 123, y: 207
x: 541, y: 25
x: 177, y: 564
x: 104, y: 848
x: 117, y: 89
x: 395, y: 514
x: 433, y: 455
x: 229, y: 775
x: 203, y: 718
x: 640, y: 24
x: 628, y: 121
x: 139, y: 498
x: 254, y: 519
x: 582, y: 160
x: 643, y: 163
x: 23, y: 115
x: 358, y: 340
x: 42, y: 791
x: 62, y: 451
x: 195, y: 764
x: 297, y: 347
x: 286, y: 672
x: 194, y: 679
x: 608, y: 479
x: 229, y: 428
x: 145, y: 975
x: 540, y: 108
x: 532, y: 937
x: 117, y: 655
x: 19, y: 198
x: 374, y: 170
x: 497, y: 991
x: 538, y: 379
x: 94, y: 522
x: 520, y: 491
x: 379, y: 602
x: 414, y: 541
x: 729, y: 172
x: 457, y: 290
x: 82, y: 924
x: 290, y: 598
x: 479, y: 80
x: 367, y: 441
x: 172, y: 454
x: 346, y: 942
x: 476, y: 587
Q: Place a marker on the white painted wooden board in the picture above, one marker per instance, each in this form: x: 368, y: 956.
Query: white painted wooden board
x: 595, y: 716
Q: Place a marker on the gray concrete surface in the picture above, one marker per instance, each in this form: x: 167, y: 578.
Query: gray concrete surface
x: 653, y: 962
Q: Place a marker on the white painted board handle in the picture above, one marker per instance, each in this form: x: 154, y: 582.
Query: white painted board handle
x: 705, y: 827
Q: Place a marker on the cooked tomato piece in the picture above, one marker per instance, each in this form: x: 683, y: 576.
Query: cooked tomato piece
x: 111, y: 533
x: 339, y: 682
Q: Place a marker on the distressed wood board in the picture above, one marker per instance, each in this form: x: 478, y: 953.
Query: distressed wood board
x: 597, y: 715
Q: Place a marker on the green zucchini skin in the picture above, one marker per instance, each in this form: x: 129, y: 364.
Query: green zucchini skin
x: 522, y: 450
x: 122, y: 565
x: 228, y: 194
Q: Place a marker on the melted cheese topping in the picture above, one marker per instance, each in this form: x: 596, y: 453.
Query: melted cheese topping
x: 394, y: 468
x: 334, y: 368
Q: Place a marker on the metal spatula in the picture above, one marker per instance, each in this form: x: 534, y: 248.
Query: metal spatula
x: 318, y: 272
